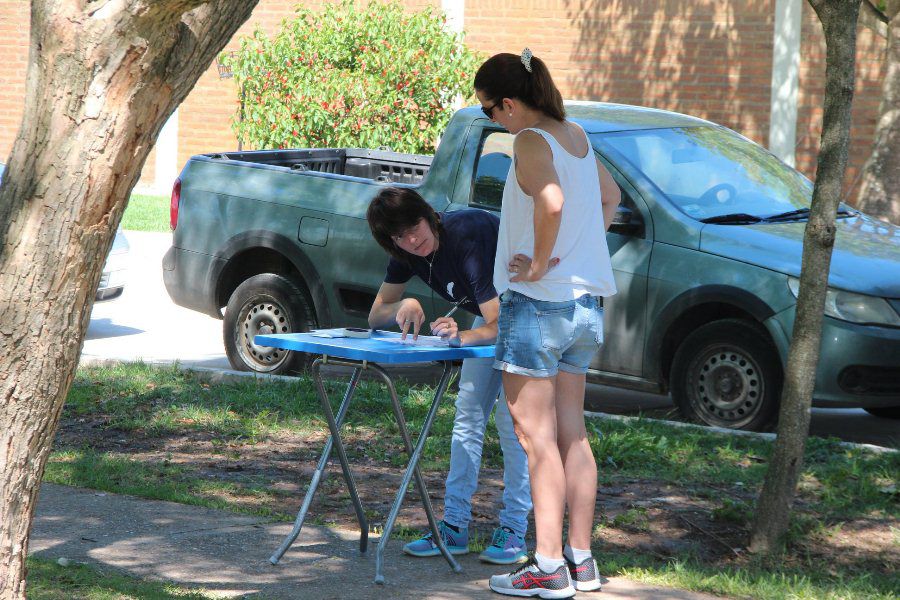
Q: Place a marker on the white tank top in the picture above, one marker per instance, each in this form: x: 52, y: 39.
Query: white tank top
x: 584, y: 266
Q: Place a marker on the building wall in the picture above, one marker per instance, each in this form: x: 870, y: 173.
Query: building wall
x: 870, y: 72
x: 707, y: 58
x: 14, y: 16
x: 710, y: 59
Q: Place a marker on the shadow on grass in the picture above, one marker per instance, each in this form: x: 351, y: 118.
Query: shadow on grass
x: 780, y: 576
x: 145, y: 402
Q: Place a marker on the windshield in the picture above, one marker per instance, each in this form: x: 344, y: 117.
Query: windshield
x: 711, y: 171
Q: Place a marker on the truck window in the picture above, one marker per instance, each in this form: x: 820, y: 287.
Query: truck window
x: 491, y: 169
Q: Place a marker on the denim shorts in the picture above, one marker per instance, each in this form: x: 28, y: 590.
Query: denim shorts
x: 538, y: 338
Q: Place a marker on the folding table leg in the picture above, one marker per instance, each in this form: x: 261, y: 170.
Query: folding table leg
x: 413, y: 469
x: 334, y: 425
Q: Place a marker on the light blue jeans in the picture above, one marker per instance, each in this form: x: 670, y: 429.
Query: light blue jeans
x: 479, y: 386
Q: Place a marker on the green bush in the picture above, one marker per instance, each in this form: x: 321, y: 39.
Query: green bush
x: 351, y: 76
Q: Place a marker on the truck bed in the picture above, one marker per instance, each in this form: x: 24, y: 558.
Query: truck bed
x: 377, y: 165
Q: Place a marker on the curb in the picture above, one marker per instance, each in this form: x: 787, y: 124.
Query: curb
x: 722, y: 430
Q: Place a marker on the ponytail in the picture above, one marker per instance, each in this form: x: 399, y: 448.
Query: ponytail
x: 524, y: 77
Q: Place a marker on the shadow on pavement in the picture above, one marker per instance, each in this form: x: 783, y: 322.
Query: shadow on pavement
x: 105, y: 328
x: 228, y: 553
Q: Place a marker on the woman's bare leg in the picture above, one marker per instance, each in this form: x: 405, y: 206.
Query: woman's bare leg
x: 577, y: 458
x: 532, y: 406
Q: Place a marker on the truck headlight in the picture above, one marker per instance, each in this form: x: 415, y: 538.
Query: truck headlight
x: 856, y: 308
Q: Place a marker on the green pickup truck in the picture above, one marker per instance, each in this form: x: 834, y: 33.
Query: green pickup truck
x: 705, y: 248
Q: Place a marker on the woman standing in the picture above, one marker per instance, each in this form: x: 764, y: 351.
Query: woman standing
x: 552, y: 270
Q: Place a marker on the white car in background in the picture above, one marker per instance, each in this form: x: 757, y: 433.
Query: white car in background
x: 112, y: 281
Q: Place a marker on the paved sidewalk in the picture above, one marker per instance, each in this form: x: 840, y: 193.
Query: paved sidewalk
x: 228, y: 554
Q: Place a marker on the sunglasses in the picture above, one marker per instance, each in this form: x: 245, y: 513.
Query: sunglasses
x: 489, y: 111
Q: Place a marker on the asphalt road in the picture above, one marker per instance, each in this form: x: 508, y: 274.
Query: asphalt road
x: 144, y: 324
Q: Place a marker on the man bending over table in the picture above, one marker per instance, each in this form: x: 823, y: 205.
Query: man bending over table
x: 453, y: 254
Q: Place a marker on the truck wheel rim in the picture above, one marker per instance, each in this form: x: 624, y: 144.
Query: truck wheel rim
x: 262, y: 318
x: 726, y: 387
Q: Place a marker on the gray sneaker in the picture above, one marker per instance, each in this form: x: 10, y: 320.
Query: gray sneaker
x: 530, y: 580
x: 585, y: 575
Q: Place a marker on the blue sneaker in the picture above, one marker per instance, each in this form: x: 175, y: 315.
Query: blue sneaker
x: 456, y: 542
x: 506, y: 548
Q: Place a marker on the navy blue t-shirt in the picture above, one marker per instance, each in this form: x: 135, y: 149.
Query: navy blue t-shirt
x: 463, y: 265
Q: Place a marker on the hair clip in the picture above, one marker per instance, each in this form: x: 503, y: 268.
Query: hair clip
x: 526, y: 59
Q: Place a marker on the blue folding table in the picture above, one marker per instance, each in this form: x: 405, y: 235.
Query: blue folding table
x: 382, y: 348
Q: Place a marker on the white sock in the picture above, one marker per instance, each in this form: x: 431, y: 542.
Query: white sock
x: 575, y: 555
x: 548, y: 565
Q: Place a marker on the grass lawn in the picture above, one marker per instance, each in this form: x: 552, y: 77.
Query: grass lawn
x: 49, y: 581
x: 147, y: 213
x: 674, y: 504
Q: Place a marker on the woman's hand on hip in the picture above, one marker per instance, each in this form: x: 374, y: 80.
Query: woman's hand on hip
x: 527, y: 270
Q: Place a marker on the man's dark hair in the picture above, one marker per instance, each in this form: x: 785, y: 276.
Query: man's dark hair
x: 395, y: 210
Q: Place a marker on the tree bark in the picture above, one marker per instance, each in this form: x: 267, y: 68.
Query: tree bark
x: 879, y: 194
x: 839, y: 18
x: 103, y: 76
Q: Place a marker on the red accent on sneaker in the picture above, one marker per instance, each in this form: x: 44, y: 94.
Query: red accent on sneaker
x: 533, y: 582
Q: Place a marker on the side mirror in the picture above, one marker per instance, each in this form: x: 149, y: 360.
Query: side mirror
x: 627, y: 222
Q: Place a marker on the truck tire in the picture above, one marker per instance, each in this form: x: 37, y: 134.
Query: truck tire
x: 266, y: 303
x: 727, y: 374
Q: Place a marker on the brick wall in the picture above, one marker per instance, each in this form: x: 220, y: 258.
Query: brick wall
x: 870, y: 73
x: 14, y: 17
x: 707, y: 58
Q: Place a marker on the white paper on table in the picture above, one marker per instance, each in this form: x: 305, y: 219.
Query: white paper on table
x: 424, y: 340
x: 327, y: 333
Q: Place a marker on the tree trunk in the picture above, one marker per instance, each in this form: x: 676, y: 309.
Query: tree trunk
x: 838, y: 19
x: 879, y: 194
x: 102, y: 79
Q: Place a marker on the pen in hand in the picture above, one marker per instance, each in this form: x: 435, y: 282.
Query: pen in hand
x: 452, y: 310
x: 456, y: 306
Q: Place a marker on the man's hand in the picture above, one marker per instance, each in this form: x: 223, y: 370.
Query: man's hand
x: 446, y: 328
x: 526, y: 270
x: 409, y: 314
